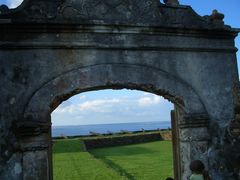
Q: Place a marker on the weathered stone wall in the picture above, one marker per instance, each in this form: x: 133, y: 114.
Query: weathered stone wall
x: 49, y: 53
x: 101, y: 142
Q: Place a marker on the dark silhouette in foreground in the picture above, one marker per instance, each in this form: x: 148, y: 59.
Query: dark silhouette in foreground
x: 198, y: 171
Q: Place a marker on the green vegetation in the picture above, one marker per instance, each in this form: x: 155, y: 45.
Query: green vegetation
x: 70, y: 162
x: 145, y: 161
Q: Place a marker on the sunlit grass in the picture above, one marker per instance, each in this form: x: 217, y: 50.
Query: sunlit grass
x: 147, y: 161
x: 70, y: 162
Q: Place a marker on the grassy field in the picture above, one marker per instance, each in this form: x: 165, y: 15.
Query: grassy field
x: 70, y: 162
x: 147, y: 161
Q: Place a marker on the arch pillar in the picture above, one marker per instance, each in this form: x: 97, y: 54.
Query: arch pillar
x: 35, y: 144
x: 193, y: 139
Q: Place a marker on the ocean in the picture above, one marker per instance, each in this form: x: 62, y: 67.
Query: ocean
x: 106, y: 128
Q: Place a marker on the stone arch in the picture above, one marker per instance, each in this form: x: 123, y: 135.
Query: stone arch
x: 173, y: 52
x: 115, y: 76
x: 189, y: 109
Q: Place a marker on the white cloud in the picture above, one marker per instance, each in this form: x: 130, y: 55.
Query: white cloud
x: 13, y: 3
x: 147, y: 94
x: 99, y: 105
x: 149, y: 100
x: 82, y: 97
x: 111, y: 107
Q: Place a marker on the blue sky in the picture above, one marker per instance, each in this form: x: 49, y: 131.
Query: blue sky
x: 116, y: 106
x: 11, y: 3
x: 112, y: 106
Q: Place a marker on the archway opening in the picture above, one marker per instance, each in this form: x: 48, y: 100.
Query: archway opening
x: 134, y: 128
x: 189, y: 111
x: 11, y: 4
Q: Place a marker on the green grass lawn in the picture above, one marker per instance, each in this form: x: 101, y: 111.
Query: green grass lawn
x: 70, y: 162
x: 147, y: 161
